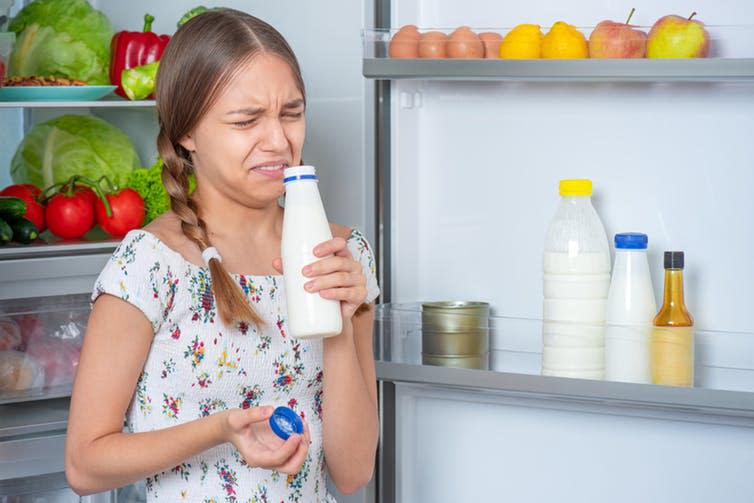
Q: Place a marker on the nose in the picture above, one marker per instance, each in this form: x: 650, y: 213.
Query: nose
x: 274, y: 137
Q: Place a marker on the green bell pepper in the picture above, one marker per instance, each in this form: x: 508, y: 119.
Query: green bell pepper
x: 139, y: 82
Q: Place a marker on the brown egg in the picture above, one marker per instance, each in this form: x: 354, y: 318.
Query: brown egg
x: 491, y: 41
x: 405, y: 43
x: 432, y: 45
x: 465, y: 44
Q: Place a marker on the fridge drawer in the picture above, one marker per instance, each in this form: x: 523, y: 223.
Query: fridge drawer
x: 26, y: 457
x: 51, y: 488
x: 40, y: 342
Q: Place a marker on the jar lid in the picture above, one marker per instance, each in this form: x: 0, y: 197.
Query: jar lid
x: 285, y: 422
x: 579, y: 187
x: 631, y: 241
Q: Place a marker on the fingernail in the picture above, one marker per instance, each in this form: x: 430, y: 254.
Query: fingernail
x: 309, y: 286
x: 306, y: 270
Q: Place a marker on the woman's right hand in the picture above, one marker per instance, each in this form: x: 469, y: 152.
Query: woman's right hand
x: 248, y: 430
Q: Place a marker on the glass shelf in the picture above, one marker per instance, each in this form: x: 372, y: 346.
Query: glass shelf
x: 105, y: 103
x: 730, y: 59
x: 638, y: 70
x: 724, y: 367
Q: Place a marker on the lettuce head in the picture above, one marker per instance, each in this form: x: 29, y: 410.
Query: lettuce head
x: 53, y: 151
x: 61, y: 38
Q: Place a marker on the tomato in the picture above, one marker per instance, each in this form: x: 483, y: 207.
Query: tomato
x: 127, y: 212
x: 88, y: 193
x: 71, y: 216
x: 35, y: 212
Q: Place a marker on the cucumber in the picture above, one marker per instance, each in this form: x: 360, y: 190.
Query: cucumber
x: 12, y: 207
x: 24, y: 231
x: 6, y: 233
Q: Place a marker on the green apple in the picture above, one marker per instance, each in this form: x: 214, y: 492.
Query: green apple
x: 677, y: 37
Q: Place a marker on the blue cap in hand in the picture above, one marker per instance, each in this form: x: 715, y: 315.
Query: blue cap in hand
x: 285, y: 422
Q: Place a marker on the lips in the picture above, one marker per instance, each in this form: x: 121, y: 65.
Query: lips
x: 272, y: 170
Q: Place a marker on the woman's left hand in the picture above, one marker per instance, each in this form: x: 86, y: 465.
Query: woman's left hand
x: 337, y: 276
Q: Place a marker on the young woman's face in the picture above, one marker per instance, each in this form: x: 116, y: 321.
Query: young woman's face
x: 253, y: 131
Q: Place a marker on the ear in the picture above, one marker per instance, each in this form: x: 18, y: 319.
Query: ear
x: 188, y: 143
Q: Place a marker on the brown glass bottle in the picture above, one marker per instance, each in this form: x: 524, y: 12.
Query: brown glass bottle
x: 672, y: 343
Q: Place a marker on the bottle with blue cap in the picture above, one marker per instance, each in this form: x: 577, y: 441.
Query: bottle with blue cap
x: 305, y: 225
x: 631, y: 307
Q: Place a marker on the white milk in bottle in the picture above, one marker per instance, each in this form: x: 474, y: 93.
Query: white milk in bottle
x: 631, y: 308
x: 305, y: 226
x: 576, y: 269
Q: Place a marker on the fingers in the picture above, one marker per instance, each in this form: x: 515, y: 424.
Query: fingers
x: 296, y: 461
x: 282, y: 456
x: 333, y: 246
x: 239, y: 419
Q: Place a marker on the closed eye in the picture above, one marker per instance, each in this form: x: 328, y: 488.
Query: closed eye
x: 243, y: 124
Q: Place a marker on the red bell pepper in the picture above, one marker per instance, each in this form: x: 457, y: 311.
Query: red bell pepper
x: 134, y: 48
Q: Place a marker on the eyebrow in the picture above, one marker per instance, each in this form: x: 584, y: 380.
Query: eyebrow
x: 256, y: 110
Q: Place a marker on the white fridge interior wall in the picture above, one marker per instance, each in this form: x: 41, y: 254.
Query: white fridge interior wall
x: 476, y: 165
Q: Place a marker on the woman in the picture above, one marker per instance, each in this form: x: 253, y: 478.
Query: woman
x: 187, y: 336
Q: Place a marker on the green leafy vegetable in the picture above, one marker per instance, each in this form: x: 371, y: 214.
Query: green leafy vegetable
x: 195, y: 12
x: 191, y: 13
x: 148, y: 183
x: 62, y: 38
x: 53, y: 151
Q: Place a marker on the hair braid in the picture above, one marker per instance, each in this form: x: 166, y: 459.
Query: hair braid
x: 231, y: 302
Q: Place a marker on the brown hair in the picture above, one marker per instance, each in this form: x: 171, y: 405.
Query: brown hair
x: 198, y: 63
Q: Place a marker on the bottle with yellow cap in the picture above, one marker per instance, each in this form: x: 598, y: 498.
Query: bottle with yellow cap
x: 576, y: 282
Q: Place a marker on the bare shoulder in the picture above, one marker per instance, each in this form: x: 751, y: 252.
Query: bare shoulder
x: 340, y: 231
x: 167, y: 228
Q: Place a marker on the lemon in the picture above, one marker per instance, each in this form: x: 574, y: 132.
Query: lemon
x: 522, y: 42
x: 564, y: 41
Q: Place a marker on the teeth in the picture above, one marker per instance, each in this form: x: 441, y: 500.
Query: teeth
x: 271, y: 168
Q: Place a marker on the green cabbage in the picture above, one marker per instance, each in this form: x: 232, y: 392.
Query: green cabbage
x: 53, y: 151
x: 62, y: 38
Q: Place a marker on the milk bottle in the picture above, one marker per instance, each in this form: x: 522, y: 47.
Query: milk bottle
x: 305, y: 226
x: 576, y: 280
x: 630, y: 309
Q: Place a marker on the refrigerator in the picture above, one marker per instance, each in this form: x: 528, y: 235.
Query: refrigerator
x: 46, y: 286
x: 451, y: 169
x: 470, y: 154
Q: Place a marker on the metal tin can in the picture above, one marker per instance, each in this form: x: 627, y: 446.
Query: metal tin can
x: 455, y: 334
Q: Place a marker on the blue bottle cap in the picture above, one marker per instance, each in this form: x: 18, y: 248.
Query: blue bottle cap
x: 631, y: 241
x: 285, y: 422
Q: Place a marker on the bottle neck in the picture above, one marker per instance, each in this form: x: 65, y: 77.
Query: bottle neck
x: 673, y: 310
x: 576, y: 199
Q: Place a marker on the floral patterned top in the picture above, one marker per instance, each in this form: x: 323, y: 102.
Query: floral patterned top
x: 197, y: 366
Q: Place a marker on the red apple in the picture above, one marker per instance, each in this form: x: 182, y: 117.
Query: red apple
x: 677, y: 37
x: 617, y: 40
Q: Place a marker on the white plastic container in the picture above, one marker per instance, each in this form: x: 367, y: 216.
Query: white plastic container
x: 631, y: 307
x: 576, y: 281
x: 305, y: 226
